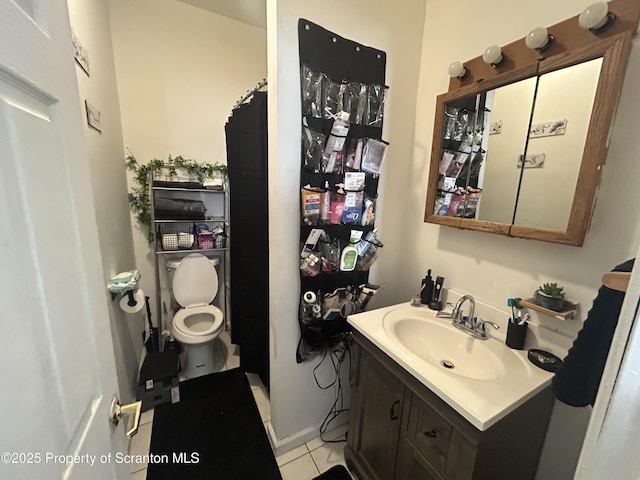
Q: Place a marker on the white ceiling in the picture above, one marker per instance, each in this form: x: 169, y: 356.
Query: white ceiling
x: 252, y: 12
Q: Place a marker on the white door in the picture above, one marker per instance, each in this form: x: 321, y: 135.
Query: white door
x: 56, y: 353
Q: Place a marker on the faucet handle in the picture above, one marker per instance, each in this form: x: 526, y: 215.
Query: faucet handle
x: 480, y: 325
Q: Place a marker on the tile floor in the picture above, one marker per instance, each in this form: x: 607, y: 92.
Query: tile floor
x: 301, y: 463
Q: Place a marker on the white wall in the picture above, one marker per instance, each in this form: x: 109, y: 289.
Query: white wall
x: 492, y: 267
x: 89, y: 21
x: 180, y: 69
x: 297, y: 405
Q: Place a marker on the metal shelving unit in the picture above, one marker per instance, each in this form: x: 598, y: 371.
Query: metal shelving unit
x: 216, y: 203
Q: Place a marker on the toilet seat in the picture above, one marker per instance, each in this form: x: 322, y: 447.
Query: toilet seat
x: 195, y: 285
x: 182, y: 317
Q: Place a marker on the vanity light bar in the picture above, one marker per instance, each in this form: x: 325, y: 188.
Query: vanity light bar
x: 596, y: 18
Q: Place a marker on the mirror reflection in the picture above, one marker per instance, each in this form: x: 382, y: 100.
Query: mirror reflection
x: 558, y: 133
x: 462, y: 157
x: 510, y: 115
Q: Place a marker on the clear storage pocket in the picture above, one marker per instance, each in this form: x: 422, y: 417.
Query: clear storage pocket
x: 312, y: 148
x: 376, y: 98
x: 311, y: 92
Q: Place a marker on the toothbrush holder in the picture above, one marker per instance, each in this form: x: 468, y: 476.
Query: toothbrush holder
x: 516, y: 335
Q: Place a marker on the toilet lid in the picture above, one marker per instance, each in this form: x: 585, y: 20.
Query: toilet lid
x: 195, y: 281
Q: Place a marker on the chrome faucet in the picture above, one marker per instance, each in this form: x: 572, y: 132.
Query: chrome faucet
x: 469, y: 323
x: 457, y: 314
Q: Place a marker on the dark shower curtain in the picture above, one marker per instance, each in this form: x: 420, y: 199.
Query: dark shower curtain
x: 246, y: 135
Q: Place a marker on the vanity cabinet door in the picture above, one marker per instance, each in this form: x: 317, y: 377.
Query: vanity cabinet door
x: 436, y: 441
x: 375, y: 428
x: 429, y: 432
x: 412, y: 466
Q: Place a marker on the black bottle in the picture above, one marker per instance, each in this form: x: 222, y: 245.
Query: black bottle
x: 426, y: 292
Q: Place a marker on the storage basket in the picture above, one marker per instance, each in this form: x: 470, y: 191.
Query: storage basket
x: 205, y: 241
x: 176, y: 236
x: 210, y: 235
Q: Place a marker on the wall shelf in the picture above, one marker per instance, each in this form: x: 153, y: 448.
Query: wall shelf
x: 204, y: 220
x: 184, y: 189
x: 192, y: 250
x: 568, y: 309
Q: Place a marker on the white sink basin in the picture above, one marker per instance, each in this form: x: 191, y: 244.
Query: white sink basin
x: 444, y: 346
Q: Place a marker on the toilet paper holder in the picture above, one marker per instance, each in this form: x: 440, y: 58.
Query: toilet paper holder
x: 124, y: 283
x: 132, y: 300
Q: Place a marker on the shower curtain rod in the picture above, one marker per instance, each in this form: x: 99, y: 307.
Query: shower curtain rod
x: 261, y: 84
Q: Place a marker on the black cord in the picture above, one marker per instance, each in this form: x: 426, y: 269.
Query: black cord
x: 337, y: 356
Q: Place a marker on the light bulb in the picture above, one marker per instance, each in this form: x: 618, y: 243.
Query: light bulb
x: 458, y: 70
x: 538, y: 39
x: 493, y: 56
x: 596, y: 17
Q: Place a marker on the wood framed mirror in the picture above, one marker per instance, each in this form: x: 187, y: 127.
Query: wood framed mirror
x: 518, y: 149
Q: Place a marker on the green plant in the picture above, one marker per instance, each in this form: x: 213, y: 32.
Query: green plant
x: 139, y: 196
x: 552, y: 289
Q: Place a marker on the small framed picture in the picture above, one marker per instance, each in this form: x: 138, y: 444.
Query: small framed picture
x: 534, y: 160
x: 495, y: 128
x: 80, y: 54
x: 548, y: 129
x: 93, y: 116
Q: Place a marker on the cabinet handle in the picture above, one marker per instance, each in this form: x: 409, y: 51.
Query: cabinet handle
x: 392, y: 410
x: 431, y: 434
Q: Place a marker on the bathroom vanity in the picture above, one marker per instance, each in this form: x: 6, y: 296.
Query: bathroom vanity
x: 413, y: 418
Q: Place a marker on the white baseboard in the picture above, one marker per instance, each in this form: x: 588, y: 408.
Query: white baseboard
x: 283, y: 445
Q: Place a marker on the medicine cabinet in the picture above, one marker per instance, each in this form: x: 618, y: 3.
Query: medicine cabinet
x: 518, y: 148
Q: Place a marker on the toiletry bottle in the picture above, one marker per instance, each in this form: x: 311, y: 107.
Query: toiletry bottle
x: 436, y: 304
x: 333, y: 151
x: 348, y: 258
x: 336, y: 206
x: 364, y: 245
x: 325, y: 204
x: 426, y: 293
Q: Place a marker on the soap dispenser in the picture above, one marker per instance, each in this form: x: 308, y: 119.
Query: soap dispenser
x: 426, y: 291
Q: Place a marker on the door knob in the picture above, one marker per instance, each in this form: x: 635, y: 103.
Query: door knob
x: 118, y: 411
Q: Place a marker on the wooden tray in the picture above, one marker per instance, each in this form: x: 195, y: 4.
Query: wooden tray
x: 568, y: 309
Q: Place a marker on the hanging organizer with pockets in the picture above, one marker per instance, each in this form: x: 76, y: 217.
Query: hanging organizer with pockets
x: 343, y: 95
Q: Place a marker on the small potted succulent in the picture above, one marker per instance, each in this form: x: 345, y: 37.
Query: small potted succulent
x: 550, y: 296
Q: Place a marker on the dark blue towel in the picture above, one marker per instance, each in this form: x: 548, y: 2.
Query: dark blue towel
x: 577, y: 380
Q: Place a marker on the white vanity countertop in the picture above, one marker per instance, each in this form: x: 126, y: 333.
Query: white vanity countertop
x: 481, y: 402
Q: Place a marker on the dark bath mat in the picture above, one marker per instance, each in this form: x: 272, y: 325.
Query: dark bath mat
x: 214, y: 432
x: 335, y: 473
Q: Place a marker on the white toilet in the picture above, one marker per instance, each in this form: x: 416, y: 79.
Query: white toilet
x: 197, y: 323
